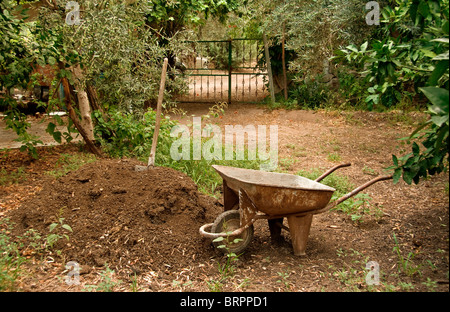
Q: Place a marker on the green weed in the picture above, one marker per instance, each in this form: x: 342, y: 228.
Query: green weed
x: 369, y: 171
x: 107, y: 282
x: 405, y: 264
x: 227, y: 269
x: 431, y: 285
x: 284, y: 279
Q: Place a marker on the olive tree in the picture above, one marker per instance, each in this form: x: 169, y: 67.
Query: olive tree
x: 108, y: 56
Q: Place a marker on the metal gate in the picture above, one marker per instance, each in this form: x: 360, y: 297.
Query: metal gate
x: 224, y: 71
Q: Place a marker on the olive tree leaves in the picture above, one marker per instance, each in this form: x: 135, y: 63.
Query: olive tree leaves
x: 411, y: 59
x: 433, y: 158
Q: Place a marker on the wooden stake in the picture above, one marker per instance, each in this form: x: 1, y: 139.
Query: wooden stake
x: 151, y: 159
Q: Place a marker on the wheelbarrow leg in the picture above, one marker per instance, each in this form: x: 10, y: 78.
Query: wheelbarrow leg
x: 275, y: 229
x: 230, y: 199
x: 299, y: 228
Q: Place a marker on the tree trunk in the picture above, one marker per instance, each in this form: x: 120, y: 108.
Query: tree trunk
x: 93, y: 98
x: 88, y: 138
x: 73, y: 115
x: 83, y: 104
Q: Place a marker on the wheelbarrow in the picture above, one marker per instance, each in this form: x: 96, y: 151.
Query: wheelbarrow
x: 251, y: 195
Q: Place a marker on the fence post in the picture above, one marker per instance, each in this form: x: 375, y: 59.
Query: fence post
x: 283, y: 57
x: 230, y: 58
x: 269, y: 69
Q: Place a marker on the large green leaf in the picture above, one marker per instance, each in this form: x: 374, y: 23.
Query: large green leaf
x: 397, y: 175
x: 440, y: 68
x: 424, y: 9
x: 439, y: 120
x: 439, y: 97
x: 442, y: 56
x: 407, y: 177
x: 442, y: 40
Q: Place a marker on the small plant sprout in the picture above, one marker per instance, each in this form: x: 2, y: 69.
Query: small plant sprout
x: 227, y: 269
x: 56, y: 231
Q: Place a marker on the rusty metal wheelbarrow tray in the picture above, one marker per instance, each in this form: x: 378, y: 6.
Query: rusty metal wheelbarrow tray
x: 273, y: 196
x: 277, y: 193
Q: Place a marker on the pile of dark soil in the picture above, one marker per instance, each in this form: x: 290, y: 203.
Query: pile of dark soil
x: 127, y: 219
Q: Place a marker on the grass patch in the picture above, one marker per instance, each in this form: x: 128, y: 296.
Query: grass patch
x: 12, y: 177
x: 334, y: 157
x: 341, y: 183
x: 10, y: 258
x: 68, y: 162
x: 205, y: 176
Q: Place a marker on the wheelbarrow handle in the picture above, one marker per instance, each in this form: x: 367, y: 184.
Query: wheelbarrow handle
x: 331, y: 170
x: 360, y: 188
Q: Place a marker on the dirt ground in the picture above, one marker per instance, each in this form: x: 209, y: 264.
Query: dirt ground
x: 144, y: 225
x: 38, y: 125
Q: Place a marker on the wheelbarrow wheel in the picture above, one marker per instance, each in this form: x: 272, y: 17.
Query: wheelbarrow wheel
x: 229, y: 221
